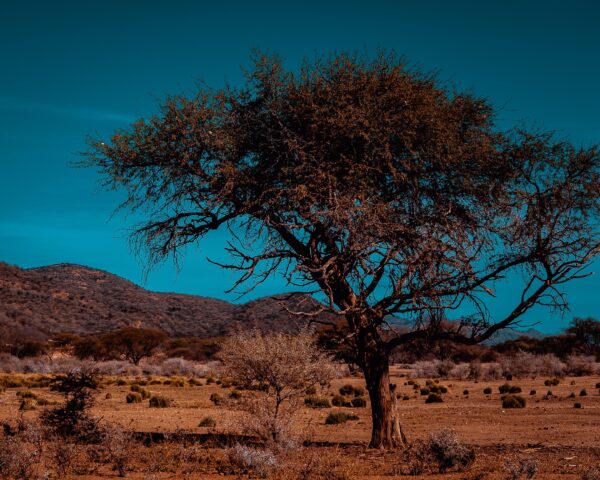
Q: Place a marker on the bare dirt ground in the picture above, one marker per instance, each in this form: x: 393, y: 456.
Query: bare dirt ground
x: 564, y: 440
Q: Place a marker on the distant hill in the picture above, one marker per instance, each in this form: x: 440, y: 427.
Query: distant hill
x: 78, y: 299
x: 41, y: 301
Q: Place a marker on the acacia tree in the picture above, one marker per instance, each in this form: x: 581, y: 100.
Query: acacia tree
x: 372, y: 184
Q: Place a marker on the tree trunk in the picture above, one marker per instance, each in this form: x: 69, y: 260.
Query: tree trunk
x: 387, y: 432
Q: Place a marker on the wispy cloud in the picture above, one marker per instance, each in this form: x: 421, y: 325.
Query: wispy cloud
x: 82, y: 113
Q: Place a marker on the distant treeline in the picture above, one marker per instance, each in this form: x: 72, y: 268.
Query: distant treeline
x: 128, y: 343
x: 132, y: 344
x: 581, y: 338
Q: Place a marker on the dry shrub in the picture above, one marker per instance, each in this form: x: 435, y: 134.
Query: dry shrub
x: 524, y: 364
x: 315, y: 401
x: 207, y: 422
x: 133, y: 397
x: 158, y: 401
x: 442, y: 449
x: 526, y: 468
x: 21, y: 450
x: 258, y: 461
x: 513, y: 401
x: 580, y: 365
x: 335, y: 418
x: 279, y: 368
x: 433, y: 368
x: 118, y: 444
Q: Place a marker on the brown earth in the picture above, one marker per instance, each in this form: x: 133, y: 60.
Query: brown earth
x: 564, y: 440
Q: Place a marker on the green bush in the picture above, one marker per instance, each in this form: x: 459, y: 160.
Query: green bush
x: 208, y: 422
x: 487, y: 390
x: 216, y: 399
x: 335, y: 418
x: 465, y: 392
x: 359, y: 402
x: 133, y: 397
x: 514, y: 389
x: 424, y: 391
x: 434, y: 398
x: 513, y: 401
x: 158, y: 401
x: 583, y: 392
x: 338, y: 401
x: 121, y: 382
x: 311, y: 390
x: 552, y: 382
x: 314, y: 401
x: 577, y: 405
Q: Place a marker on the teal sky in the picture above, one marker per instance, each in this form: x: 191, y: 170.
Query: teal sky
x: 73, y: 69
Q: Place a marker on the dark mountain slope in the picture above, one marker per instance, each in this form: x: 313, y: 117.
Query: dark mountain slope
x: 73, y: 298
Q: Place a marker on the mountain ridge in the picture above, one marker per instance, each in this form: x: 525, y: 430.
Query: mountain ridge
x: 65, y: 297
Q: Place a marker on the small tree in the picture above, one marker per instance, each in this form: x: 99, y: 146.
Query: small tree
x: 72, y: 419
x: 133, y: 343
x: 280, y: 367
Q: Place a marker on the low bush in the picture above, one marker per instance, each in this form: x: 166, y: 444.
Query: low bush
x: 141, y: 390
x: 442, y: 450
x: 311, y: 390
x: 359, y: 391
x: 532, y: 392
x: 504, y: 388
x: 434, y: 398
x: 158, y: 401
x: 27, y: 404
x: 250, y: 459
x: 514, y: 389
x: 513, y: 401
x: 577, y: 405
x: 207, y: 422
x: 315, y: 401
x: 435, y: 388
x: 216, y: 399
x: 583, y: 393
x: 552, y: 382
x: 235, y: 395
x: 133, y: 397
x: 523, y: 468
x: 465, y: 392
x: 487, y: 390
x: 424, y: 391
x: 347, y: 389
x: 359, y: 402
x: 335, y: 418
